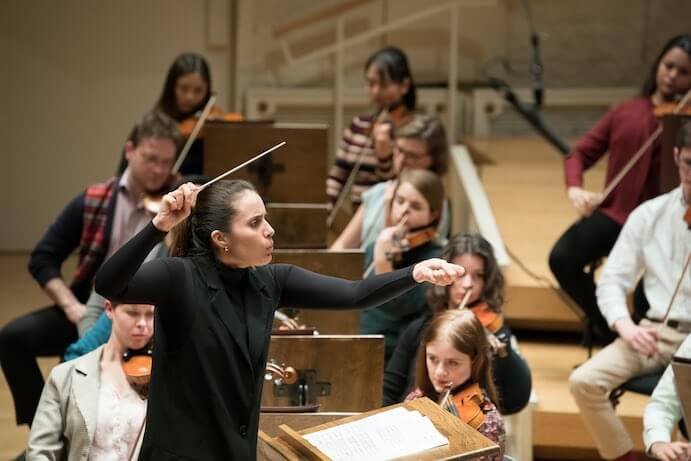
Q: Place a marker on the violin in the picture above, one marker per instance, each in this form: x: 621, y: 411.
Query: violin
x: 215, y: 114
x: 465, y: 403
x: 671, y: 108
x: 280, y: 373
x: 137, y: 367
x: 491, y: 321
x: 412, y: 239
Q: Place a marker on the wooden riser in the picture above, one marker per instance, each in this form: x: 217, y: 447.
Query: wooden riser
x: 572, y: 440
x: 558, y: 430
x: 538, y: 308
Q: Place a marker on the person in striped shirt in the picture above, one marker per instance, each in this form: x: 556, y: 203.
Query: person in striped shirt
x: 369, y: 138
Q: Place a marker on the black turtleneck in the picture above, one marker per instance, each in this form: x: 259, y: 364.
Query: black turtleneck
x: 235, y: 285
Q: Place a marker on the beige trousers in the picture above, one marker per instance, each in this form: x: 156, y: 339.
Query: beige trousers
x: 592, y: 382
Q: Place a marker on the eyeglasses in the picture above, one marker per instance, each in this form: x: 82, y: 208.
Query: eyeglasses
x: 154, y: 160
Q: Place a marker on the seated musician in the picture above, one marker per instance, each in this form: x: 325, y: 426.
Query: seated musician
x: 620, y: 133
x: 88, y: 409
x: 483, y: 283
x: 662, y: 414
x: 97, y: 222
x: 656, y: 240
x: 420, y: 143
x: 392, y: 91
x: 454, y: 369
x: 408, y: 238
x: 186, y: 90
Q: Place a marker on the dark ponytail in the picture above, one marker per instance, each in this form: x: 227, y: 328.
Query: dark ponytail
x: 214, y: 210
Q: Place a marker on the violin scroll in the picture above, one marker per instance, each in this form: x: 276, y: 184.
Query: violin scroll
x: 281, y: 374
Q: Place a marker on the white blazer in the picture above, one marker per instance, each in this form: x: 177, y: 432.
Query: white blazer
x: 65, y: 419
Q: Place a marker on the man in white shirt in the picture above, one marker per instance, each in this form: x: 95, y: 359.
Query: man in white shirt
x: 662, y: 413
x: 655, y: 239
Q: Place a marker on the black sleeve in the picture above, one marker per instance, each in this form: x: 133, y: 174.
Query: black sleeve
x: 397, y: 373
x: 121, y: 278
x: 308, y: 289
x: 59, y: 241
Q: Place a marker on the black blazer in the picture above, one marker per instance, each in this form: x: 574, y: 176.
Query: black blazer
x: 208, y: 368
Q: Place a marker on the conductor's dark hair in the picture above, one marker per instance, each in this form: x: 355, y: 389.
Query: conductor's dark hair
x: 392, y: 65
x: 214, y: 210
x: 184, y: 64
x: 682, y: 41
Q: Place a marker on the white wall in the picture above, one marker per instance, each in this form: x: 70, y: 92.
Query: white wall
x: 75, y: 76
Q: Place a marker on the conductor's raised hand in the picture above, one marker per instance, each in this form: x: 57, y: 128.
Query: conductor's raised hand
x: 176, y: 206
x: 437, y: 271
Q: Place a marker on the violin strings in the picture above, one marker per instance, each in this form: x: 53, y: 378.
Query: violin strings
x: 242, y: 165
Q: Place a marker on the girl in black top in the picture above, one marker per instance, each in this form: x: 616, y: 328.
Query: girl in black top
x: 214, y: 311
x: 186, y: 90
x: 485, y: 282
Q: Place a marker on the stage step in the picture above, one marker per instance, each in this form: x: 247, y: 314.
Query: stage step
x: 539, y: 308
x: 558, y: 430
x: 524, y: 181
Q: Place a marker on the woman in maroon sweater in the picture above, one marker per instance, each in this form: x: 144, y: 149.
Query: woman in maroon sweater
x: 620, y: 132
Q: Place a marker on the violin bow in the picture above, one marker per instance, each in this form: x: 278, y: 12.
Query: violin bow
x: 676, y: 290
x: 465, y: 300
x: 447, y: 394
x: 646, y: 145
x: 348, y: 185
x: 138, y: 440
x: 195, y: 131
x: 242, y: 165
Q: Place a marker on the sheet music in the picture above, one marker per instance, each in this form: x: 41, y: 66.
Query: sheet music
x: 386, y: 435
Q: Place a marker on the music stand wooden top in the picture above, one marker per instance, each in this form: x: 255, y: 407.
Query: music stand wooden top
x: 464, y: 442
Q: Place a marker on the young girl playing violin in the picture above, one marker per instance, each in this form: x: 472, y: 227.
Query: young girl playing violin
x: 88, y: 409
x: 621, y: 132
x: 186, y: 92
x: 483, y: 289
x: 392, y: 91
x: 410, y: 237
x: 421, y: 144
x: 454, y: 368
